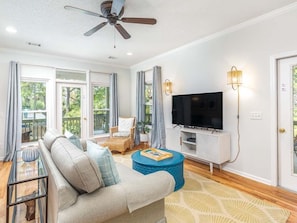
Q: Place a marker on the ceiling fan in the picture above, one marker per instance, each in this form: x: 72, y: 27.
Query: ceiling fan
x: 113, y: 12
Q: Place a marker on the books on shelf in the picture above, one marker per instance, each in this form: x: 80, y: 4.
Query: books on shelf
x: 156, y: 154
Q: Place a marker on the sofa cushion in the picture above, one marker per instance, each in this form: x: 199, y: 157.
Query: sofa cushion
x: 78, y: 169
x: 50, y: 136
x: 121, y: 134
x: 103, y: 157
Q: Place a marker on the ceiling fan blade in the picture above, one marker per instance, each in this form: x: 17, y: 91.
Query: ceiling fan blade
x: 68, y: 7
x: 117, y: 6
x: 122, y: 31
x: 148, y: 21
x: 95, y: 29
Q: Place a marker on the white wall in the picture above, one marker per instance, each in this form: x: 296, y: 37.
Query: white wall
x: 7, y: 55
x: 202, y: 67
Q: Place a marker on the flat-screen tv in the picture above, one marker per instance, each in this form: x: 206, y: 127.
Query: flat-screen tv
x: 203, y: 110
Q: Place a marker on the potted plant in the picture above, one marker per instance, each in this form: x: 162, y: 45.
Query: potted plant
x: 143, y: 129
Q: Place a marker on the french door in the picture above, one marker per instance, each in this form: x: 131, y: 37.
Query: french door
x: 287, y: 123
x: 72, y: 109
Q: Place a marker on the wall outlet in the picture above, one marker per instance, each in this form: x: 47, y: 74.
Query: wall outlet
x: 255, y: 115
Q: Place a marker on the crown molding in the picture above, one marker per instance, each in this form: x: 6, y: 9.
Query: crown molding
x: 273, y: 14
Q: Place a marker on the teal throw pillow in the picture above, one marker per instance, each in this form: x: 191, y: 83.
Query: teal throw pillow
x: 73, y: 139
x: 103, y: 158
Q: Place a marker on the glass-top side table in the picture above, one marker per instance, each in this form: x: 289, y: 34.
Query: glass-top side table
x: 27, y: 183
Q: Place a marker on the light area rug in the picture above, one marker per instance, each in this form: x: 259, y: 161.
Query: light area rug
x: 202, y: 200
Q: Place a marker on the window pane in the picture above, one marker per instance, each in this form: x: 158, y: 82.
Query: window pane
x: 100, y: 110
x: 70, y: 75
x: 71, y: 110
x: 33, y: 110
x: 148, y: 103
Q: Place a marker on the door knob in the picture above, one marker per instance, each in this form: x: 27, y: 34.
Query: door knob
x: 282, y: 130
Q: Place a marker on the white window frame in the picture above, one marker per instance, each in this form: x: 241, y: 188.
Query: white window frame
x: 31, y: 73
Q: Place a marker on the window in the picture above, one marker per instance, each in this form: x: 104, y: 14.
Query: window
x: 148, y: 94
x: 100, y: 109
x: 100, y: 99
x: 34, y: 114
x: 148, y: 103
x: 64, y: 99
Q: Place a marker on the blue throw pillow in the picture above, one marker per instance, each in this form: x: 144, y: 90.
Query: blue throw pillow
x: 76, y: 141
x: 103, y: 158
x: 73, y: 139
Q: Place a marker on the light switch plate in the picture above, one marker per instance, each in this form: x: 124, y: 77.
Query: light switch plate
x: 255, y: 115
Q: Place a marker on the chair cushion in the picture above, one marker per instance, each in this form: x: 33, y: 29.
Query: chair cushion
x: 50, y: 136
x: 77, y: 168
x: 125, y: 124
x: 121, y: 134
x: 103, y: 157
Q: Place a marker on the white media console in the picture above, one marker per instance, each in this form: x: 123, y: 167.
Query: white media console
x: 206, y: 145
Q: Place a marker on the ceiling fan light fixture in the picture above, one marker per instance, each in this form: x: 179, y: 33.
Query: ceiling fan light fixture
x: 113, y: 11
x: 129, y: 53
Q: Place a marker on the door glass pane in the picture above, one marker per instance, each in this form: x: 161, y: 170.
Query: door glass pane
x: 295, y: 119
x: 100, y: 110
x: 71, y: 110
x: 33, y: 110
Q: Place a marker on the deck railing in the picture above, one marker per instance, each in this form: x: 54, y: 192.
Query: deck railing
x: 34, y: 129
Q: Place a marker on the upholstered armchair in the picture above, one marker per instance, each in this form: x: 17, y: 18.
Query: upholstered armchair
x: 122, y: 136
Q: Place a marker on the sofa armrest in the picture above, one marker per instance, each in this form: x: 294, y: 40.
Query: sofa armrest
x: 147, y: 189
x: 115, y: 200
x: 98, y: 206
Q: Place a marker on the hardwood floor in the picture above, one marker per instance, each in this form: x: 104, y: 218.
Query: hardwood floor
x: 272, y: 194
x: 275, y: 195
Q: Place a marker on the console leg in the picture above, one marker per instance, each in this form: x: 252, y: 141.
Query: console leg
x: 30, y: 210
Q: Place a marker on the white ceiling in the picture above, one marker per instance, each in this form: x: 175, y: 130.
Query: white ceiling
x: 60, y: 31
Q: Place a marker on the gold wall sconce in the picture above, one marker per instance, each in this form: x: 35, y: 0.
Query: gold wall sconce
x: 167, y: 87
x: 234, y: 77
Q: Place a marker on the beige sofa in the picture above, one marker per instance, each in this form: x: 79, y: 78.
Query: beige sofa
x: 136, y: 198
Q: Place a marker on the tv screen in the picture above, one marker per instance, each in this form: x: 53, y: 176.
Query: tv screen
x: 198, y: 110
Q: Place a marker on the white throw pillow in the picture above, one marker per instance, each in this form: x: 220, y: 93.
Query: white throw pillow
x: 77, y: 168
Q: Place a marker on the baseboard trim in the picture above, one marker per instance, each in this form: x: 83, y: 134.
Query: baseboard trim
x: 249, y: 176
x: 1, y: 158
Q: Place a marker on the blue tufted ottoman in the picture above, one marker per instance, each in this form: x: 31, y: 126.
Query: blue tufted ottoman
x: 174, y: 166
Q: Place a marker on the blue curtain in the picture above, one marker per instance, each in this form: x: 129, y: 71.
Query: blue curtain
x: 158, y: 136
x: 114, y: 109
x: 12, y: 140
x: 140, y: 100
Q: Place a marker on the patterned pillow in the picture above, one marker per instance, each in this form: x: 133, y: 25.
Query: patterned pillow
x: 103, y: 158
x: 125, y: 124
